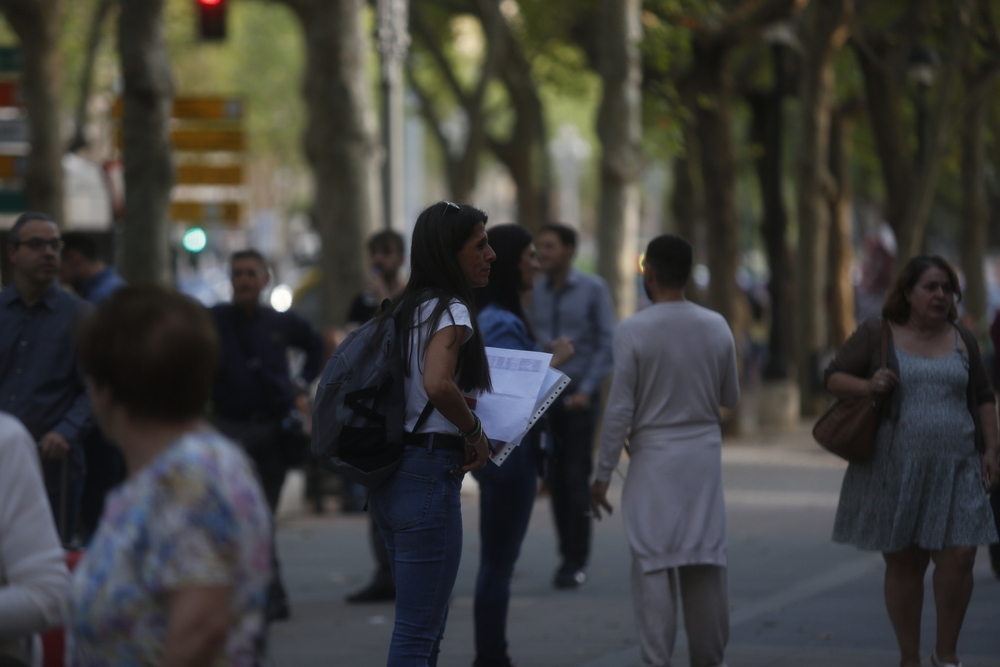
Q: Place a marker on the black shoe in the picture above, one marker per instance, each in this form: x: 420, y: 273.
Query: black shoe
x: 278, y: 610
x: 373, y: 592
x: 569, y: 577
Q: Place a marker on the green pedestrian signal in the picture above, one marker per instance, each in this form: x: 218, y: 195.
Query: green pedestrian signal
x: 195, y: 240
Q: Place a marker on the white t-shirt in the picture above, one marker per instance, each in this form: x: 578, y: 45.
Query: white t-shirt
x: 416, y: 395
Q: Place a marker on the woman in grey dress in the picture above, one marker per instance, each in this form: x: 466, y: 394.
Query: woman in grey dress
x: 923, y: 495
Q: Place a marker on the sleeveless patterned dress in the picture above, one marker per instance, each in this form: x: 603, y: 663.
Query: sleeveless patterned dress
x: 923, y: 485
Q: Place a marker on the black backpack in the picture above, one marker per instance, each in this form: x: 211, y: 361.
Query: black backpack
x: 360, y: 408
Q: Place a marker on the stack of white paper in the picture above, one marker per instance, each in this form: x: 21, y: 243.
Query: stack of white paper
x: 524, y: 386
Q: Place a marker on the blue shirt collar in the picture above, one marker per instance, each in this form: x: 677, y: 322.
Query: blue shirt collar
x: 10, y: 294
x: 572, y: 278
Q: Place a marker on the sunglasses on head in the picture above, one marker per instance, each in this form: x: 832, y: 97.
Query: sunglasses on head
x: 450, y: 205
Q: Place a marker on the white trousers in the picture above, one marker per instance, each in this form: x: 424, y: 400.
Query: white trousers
x: 704, y: 592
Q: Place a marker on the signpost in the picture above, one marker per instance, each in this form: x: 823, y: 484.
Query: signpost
x: 208, y: 140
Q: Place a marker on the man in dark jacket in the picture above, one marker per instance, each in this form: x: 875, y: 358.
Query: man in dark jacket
x: 254, y: 395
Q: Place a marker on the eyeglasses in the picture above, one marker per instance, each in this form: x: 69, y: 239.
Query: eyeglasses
x: 38, y: 245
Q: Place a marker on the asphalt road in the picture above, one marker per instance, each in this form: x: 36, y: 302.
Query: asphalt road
x: 796, y: 598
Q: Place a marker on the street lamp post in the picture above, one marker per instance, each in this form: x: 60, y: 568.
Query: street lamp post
x: 393, y: 40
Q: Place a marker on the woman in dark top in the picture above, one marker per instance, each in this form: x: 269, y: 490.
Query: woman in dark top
x: 923, y: 494
x: 507, y: 492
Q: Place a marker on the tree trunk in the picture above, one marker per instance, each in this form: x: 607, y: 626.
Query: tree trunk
x: 619, y: 127
x: 36, y: 23
x: 339, y: 144
x: 824, y: 29
x: 972, y: 235
x: 767, y: 129
x: 717, y: 156
x: 884, y: 97
x: 937, y: 134
x: 79, y: 139
x: 149, y: 171
x: 841, y: 248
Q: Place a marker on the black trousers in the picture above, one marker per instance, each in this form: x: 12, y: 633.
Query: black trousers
x: 569, y: 473
x: 262, y: 442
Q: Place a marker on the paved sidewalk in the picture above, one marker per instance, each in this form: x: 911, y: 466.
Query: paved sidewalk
x: 797, y: 599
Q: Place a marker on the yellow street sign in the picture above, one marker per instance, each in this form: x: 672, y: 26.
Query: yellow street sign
x: 197, y: 174
x: 197, y: 108
x: 207, y: 140
x: 201, y: 140
x: 202, y: 212
x: 12, y: 166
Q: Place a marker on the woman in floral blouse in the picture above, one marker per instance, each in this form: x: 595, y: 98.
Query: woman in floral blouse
x: 178, y: 569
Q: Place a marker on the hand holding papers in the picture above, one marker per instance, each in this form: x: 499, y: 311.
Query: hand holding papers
x: 524, y: 386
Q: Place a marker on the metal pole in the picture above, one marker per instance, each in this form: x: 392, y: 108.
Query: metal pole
x: 393, y: 42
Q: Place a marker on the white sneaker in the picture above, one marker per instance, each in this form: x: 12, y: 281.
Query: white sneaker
x: 937, y: 663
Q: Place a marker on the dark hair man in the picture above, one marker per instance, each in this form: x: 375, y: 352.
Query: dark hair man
x: 674, y: 366
x: 387, y: 254
x: 254, y: 395
x: 568, y: 303
x: 84, y: 269
x: 40, y: 380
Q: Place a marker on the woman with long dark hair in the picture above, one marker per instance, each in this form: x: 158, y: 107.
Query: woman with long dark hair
x: 418, y: 509
x: 507, y: 492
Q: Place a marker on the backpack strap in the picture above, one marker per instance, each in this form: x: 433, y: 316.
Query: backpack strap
x: 424, y: 414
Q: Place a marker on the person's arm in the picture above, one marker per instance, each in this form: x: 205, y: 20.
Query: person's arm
x: 991, y: 445
x: 604, y: 323
x: 730, y: 393
x: 307, y: 339
x: 30, y: 554
x: 847, y: 375
x: 618, y: 418
x: 197, y: 625
x: 78, y: 416
x: 440, y: 363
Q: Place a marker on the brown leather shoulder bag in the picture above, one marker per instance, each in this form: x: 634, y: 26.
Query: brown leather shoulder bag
x: 848, y: 428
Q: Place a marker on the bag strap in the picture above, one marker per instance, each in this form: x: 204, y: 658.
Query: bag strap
x: 885, y: 344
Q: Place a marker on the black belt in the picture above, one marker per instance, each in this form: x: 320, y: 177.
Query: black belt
x: 432, y: 441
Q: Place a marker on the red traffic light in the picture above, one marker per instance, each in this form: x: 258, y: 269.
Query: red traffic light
x: 212, y: 19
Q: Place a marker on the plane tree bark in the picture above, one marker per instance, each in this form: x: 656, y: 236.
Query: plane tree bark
x: 339, y: 144
x: 36, y: 24
x: 149, y: 172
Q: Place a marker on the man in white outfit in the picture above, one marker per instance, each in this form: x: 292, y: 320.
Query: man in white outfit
x: 674, y: 366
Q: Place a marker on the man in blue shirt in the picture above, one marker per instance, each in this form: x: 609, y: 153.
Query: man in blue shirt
x: 565, y: 302
x: 254, y: 396
x: 40, y: 381
x: 82, y: 267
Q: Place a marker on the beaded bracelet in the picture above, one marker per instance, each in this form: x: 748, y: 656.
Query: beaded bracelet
x: 476, y: 430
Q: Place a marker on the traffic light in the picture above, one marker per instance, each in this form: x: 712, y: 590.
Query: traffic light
x: 212, y: 19
x: 195, y: 240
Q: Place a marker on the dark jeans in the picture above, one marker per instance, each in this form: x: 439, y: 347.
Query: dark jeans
x: 569, y: 480
x: 261, y: 441
x: 419, y: 512
x: 383, y: 568
x: 506, y: 497
x: 64, y: 486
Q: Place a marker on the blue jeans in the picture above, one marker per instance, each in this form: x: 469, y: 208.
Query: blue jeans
x: 506, y: 497
x: 419, y: 512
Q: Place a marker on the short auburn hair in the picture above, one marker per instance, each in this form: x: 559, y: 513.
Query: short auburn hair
x: 896, y: 307
x: 155, y: 349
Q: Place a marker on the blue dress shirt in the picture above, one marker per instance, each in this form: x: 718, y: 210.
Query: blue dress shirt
x: 102, y: 285
x: 41, y: 382
x: 581, y: 310
x: 261, y: 341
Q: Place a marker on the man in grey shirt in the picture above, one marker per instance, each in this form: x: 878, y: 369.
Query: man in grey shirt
x: 566, y: 302
x: 40, y: 381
